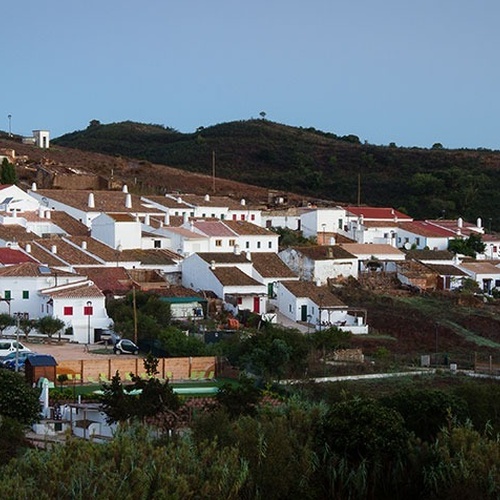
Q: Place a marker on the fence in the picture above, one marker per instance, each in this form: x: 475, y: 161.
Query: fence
x: 175, y: 369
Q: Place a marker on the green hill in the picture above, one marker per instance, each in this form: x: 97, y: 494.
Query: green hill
x: 426, y: 183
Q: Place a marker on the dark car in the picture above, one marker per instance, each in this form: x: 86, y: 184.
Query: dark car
x: 10, y: 360
x: 125, y: 346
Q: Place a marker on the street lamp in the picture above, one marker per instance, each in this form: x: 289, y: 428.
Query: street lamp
x: 88, y: 312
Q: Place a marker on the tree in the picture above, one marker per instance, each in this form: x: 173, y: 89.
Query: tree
x: 239, y: 399
x: 26, y: 325
x: 7, y: 173
x: 18, y: 400
x: 470, y: 246
x: 6, y: 320
x: 49, y: 325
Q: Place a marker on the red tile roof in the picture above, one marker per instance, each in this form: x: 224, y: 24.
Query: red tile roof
x: 380, y: 213
x: 213, y: 228
x: 9, y: 256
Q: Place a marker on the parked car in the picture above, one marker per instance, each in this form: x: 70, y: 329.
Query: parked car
x: 10, y: 360
x: 9, y: 346
x: 125, y: 346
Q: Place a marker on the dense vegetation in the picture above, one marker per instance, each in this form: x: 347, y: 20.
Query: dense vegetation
x: 426, y: 183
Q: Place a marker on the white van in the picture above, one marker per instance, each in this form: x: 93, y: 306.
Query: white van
x: 8, y: 346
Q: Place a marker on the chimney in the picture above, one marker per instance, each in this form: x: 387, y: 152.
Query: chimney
x: 33, y: 187
x: 53, y: 249
x: 243, y: 202
x: 207, y: 197
x: 84, y: 245
x: 128, y: 201
x: 125, y: 189
x: 91, y: 201
x: 28, y: 248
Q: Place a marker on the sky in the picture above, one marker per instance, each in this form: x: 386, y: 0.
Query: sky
x: 413, y: 73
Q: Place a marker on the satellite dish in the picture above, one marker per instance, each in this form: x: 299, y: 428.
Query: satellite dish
x: 407, y: 245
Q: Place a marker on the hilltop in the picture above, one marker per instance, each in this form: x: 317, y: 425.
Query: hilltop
x: 426, y: 183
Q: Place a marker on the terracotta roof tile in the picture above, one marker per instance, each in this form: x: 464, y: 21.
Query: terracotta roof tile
x: 223, y: 257
x: 242, y: 227
x: 269, y: 265
x: 69, y: 224
x: 32, y: 269
x: 319, y: 294
x: 325, y: 252
x: 109, y: 279
x: 67, y: 252
x: 104, y: 201
x: 84, y: 290
x: 232, y: 276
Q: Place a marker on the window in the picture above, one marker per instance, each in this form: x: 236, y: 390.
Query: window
x: 68, y: 311
x: 218, y: 243
x: 157, y: 243
x: 7, y: 294
x: 26, y: 294
x: 232, y: 243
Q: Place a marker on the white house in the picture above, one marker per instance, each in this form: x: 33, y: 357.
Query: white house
x: 81, y: 306
x: 305, y: 302
x: 324, y: 224
x: 485, y: 273
x: 319, y: 263
x: 423, y: 234
x: 117, y: 230
x: 370, y: 254
x: 252, y: 238
x: 227, y: 275
x: 20, y: 284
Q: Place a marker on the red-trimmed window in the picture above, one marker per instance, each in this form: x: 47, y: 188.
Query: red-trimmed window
x: 68, y: 311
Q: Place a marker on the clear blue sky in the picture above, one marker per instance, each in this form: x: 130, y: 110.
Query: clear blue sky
x: 413, y: 73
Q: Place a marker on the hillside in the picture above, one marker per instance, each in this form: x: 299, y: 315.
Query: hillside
x: 426, y: 183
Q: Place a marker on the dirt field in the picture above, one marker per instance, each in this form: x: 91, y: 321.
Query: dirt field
x: 69, y: 351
